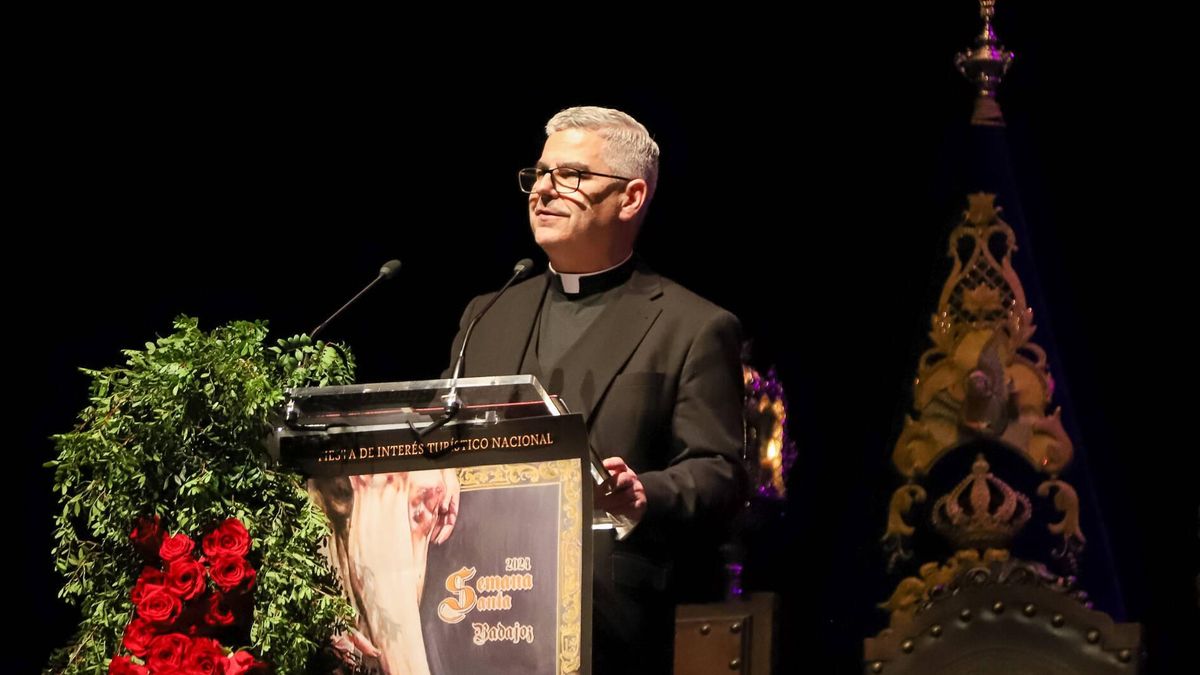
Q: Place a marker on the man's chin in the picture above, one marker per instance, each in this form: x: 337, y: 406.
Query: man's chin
x: 548, y: 237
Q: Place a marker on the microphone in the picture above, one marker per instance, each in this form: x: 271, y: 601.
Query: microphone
x: 388, y: 271
x: 453, y: 402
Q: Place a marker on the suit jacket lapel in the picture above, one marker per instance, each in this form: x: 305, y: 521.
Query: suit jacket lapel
x: 503, y: 334
x: 589, y: 366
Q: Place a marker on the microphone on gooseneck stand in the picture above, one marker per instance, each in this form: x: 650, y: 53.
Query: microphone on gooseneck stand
x: 290, y: 413
x: 453, y: 402
x: 388, y: 271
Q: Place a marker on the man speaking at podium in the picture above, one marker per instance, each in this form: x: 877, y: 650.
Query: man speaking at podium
x: 653, y: 368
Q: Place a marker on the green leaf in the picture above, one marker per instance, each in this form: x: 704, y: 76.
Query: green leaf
x: 175, y: 430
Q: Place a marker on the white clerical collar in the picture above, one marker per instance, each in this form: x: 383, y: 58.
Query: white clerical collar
x: 571, y: 282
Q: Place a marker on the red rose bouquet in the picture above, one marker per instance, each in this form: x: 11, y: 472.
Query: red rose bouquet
x: 189, y: 602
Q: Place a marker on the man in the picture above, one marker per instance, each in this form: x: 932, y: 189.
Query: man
x: 653, y: 368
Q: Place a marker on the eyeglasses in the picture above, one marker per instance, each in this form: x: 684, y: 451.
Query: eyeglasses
x: 565, y: 179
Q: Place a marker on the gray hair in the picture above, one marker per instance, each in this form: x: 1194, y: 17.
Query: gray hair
x: 628, y: 147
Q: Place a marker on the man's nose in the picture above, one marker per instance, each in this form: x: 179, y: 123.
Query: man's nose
x: 545, y: 185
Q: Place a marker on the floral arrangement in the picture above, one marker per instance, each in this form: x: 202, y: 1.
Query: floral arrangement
x: 189, y: 606
x: 172, y: 442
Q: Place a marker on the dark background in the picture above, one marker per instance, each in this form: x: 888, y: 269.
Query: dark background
x: 811, y: 173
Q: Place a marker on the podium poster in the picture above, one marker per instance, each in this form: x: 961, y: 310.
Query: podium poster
x: 477, y: 560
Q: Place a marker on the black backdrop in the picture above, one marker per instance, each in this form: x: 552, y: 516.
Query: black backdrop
x: 808, y: 184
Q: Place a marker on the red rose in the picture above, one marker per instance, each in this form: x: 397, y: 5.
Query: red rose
x: 147, y: 536
x: 218, y: 613
x: 185, y: 578
x: 175, y: 547
x: 121, y: 665
x: 138, y: 635
x: 205, y: 657
x: 229, y: 572
x: 150, y: 577
x: 159, y: 606
x: 228, y: 539
x: 243, y: 663
x: 167, y: 651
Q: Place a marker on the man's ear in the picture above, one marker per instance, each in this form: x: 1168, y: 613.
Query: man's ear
x: 634, y: 199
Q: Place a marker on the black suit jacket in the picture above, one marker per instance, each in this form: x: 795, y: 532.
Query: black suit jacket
x: 658, y: 380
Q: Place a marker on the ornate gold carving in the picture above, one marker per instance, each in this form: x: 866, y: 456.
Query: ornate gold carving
x: 988, y: 515
x: 1067, y: 503
x: 912, y: 592
x: 922, y: 442
x: 1050, y: 448
x: 571, y: 570
x: 982, y: 377
x: 902, y: 502
x: 499, y: 475
x: 982, y: 300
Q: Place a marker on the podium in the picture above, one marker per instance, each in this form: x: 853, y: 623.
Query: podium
x: 464, y: 543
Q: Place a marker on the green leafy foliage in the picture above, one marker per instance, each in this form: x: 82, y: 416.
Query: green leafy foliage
x: 179, y: 431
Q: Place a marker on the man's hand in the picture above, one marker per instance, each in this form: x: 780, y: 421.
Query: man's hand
x: 628, y: 497
x: 352, y: 647
x: 433, y: 503
x: 396, y: 517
